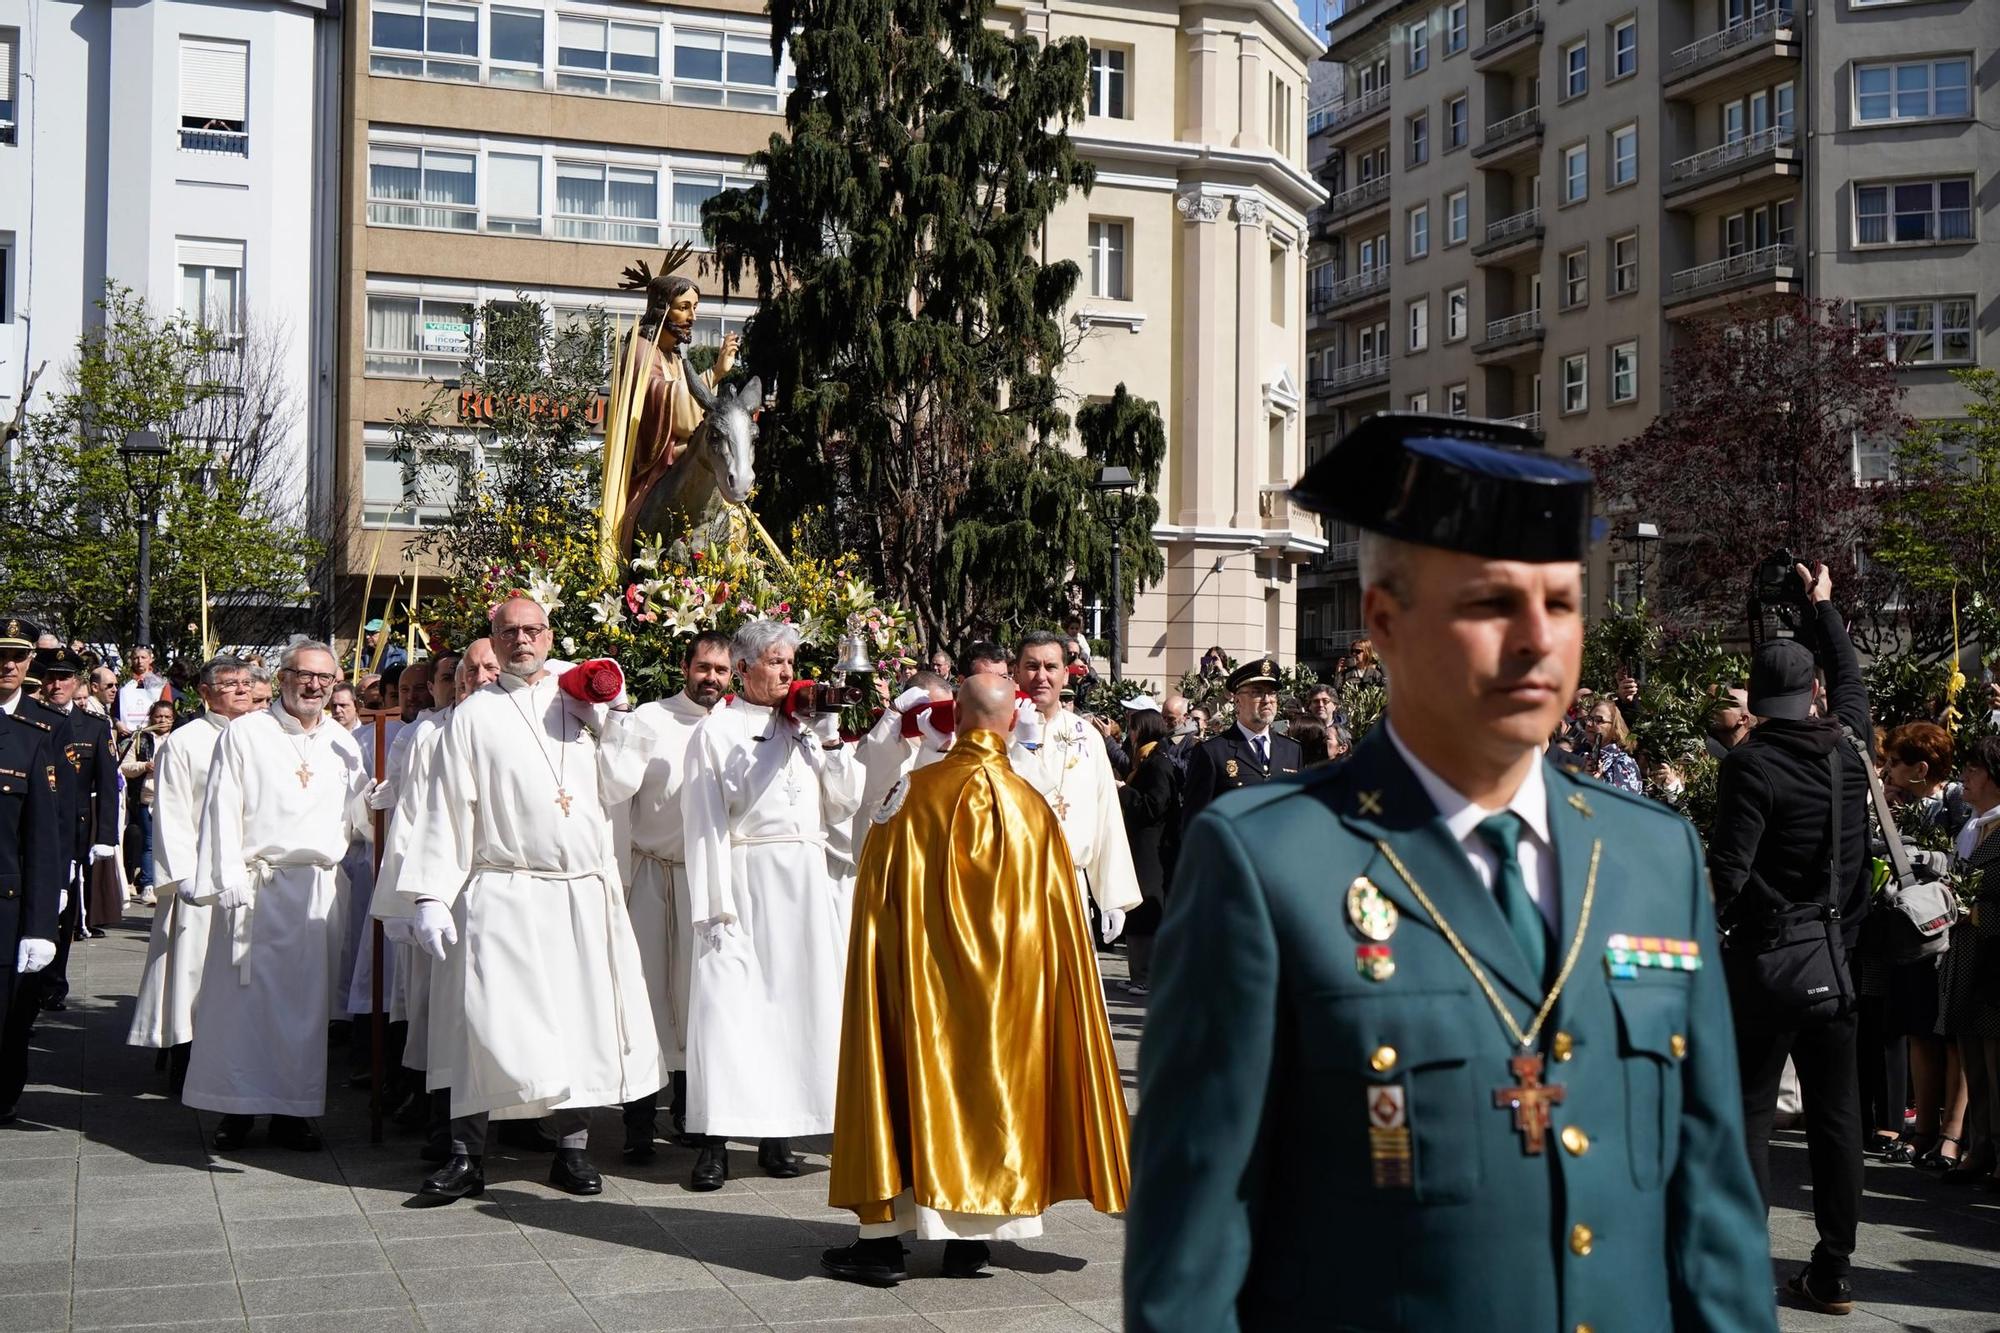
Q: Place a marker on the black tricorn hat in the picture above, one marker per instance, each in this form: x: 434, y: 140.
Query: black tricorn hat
x: 1461, y: 483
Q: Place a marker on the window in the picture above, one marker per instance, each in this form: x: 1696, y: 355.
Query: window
x: 1107, y: 82
x: 1420, y: 324
x: 594, y: 56
x: 421, y: 187
x: 1576, y: 173
x: 1734, y: 127
x: 514, y: 194
x: 1625, y: 372
x: 1734, y: 236
x: 1915, y: 90
x: 1576, y: 384
x: 724, y: 69
x: 1420, y: 138
x: 1576, y: 278
x: 1922, y: 333
x: 1278, y: 114
x: 212, y: 283
x: 1624, y: 49
x: 1457, y: 218
x: 401, y: 493
x: 1372, y: 343
x: 1456, y: 399
x: 417, y: 336
x: 1107, y: 259
x: 1913, y: 212
x: 1420, y: 402
x: 1624, y: 155
x: 1456, y: 318
x: 1624, y: 265
x: 691, y: 191
x: 10, y: 46
x: 1576, y: 68
x: 1420, y: 231
x: 595, y: 202
x: 1456, y: 27
x: 1457, y: 122
x: 215, y: 80
x: 1784, y: 98
x: 1281, y: 286
x: 514, y: 47
x: 6, y: 278
x: 1373, y: 254
x: 425, y: 37
x: 1418, y: 36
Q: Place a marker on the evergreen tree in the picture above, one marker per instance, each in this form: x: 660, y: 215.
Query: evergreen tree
x: 912, y: 332
x: 1941, y: 535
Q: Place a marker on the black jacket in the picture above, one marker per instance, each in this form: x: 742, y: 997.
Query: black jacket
x: 1227, y: 762
x: 1768, y: 848
x: 84, y: 741
x: 1151, y: 801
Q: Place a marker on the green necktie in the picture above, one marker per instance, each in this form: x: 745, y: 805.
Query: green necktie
x: 1503, y: 834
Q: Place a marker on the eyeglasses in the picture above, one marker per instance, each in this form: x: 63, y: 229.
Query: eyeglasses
x: 520, y: 631
x: 312, y: 677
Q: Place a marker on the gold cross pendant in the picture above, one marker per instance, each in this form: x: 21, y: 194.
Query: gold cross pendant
x: 563, y: 799
x: 1061, y: 803
x: 305, y: 775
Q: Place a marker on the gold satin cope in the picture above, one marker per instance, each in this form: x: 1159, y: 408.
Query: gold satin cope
x: 976, y: 1067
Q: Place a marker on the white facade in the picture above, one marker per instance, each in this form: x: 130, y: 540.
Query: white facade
x: 185, y: 150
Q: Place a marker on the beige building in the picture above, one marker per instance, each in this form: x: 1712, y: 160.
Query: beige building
x: 1528, y: 198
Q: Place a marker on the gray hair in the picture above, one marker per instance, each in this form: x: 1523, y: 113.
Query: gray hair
x: 1385, y: 563
x: 290, y: 656
x: 757, y: 637
x: 217, y: 666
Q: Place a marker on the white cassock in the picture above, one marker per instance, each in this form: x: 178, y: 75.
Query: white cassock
x: 412, y: 768
x: 544, y: 997
x: 163, y: 1015
x: 1073, y: 773
x: 886, y: 757
x: 764, y: 1022
x: 282, y: 804
x: 657, y: 896
x: 357, y: 965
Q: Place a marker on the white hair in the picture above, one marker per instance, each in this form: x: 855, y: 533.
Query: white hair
x: 1385, y: 563
x: 757, y: 637
x: 290, y: 656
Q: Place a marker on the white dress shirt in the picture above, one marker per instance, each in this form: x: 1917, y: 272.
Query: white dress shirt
x: 1254, y: 737
x: 7, y: 706
x: 1536, y: 851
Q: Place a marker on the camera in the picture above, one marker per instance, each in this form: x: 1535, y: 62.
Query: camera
x: 1776, y: 591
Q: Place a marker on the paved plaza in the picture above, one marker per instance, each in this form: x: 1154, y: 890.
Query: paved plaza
x: 113, y: 1214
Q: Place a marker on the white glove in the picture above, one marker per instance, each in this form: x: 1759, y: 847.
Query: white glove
x: 101, y: 851
x: 399, y: 930
x: 187, y: 893
x: 910, y: 698
x: 715, y: 931
x: 433, y: 930
x: 1112, y: 923
x: 826, y: 726
x: 1027, y: 723
x: 233, y: 897
x: 940, y: 739
x: 34, y: 956
x: 381, y: 796
x: 62, y: 901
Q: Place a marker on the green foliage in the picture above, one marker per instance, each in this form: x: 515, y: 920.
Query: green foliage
x: 1364, y: 705
x: 1905, y: 689
x: 1941, y: 528
x: 1211, y: 692
x: 70, y: 513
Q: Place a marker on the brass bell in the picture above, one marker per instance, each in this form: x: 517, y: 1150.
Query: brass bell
x: 854, y: 656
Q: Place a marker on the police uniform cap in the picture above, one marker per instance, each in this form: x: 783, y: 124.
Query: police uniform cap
x: 1460, y: 483
x: 1263, y: 671
x: 57, y: 661
x: 19, y: 632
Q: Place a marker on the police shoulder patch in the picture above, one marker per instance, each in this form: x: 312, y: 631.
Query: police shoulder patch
x: 892, y: 802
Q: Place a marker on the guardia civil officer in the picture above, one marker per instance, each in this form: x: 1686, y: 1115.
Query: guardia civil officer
x: 33, y: 833
x: 1438, y: 1039
x: 1249, y: 753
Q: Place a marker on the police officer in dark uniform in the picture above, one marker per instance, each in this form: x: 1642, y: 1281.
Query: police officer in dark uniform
x: 1438, y: 1038
x: 1249, y: 753
x: 34, y: 835
x: 84, y: 742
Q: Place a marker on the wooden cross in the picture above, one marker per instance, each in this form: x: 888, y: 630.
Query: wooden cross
x: 563, y: 799
x: 1530, y: 1101
x: 305, y: 774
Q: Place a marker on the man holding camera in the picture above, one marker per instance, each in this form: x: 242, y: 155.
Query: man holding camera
x: 767, y: 775
x: 1772, y: 852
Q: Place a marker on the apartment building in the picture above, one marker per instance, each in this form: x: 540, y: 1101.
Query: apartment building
x: 1529, y: 198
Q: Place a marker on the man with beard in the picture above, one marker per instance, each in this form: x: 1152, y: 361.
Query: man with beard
x: 1249, y: 753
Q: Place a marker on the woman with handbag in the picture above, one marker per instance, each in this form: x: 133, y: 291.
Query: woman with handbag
x: 1969, y: 1013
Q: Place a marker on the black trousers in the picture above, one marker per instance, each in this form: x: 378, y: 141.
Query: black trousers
x: 1824, y: 1054
x: 1885, y: 1068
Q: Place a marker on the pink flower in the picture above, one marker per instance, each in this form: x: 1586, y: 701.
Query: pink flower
x: 648, y: 616
x: 632, y: 597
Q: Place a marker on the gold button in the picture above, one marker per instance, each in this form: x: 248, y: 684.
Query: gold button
x: 1575, y: 1141
x: 1383, y: 1060
x: 1580, y: 1239
x: 1583, y: 1328
x: 1678, y: 1045
x: 1565, y: 1046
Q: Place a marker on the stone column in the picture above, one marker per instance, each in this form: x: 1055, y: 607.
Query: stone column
x: 1249, y: 89
x: 1200, y: 493
x: 1253, y: 304
x: 1204, y: 85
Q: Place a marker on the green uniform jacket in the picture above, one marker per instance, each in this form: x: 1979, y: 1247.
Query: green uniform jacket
x: 1256, y: 1203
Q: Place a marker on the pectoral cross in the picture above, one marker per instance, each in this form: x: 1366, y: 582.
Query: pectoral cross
x: 1530, y: 1100
x: 563, y: 798
x: 1061, y: 803
x: 305, y: 774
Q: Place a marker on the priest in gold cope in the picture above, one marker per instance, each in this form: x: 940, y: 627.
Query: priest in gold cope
x: 1400, y: 1070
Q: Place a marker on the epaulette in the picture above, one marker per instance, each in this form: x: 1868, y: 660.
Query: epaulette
x: 1245, y: 800
x: 1595, y: 788
x: 22, y: 715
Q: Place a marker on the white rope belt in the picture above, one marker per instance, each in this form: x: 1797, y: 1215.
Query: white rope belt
x: 773, y: 839
x: 666, y: 865
x: 261, y: 873
x: 611, y: 904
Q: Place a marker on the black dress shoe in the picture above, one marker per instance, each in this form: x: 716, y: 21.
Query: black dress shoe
x: 965, y: 1258
x: 232, y: 1132
x: 572, y: 1172
x: 872, y: 1263
x: 290, y: 1131
x: 461, y: 1177
x: 1828, y: 1295
x: 711, y: 1166
x: 778, y: 1160
x: 54, y: 1004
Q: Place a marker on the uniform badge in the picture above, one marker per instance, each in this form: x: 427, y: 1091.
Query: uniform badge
x: 1624, y: 955
x: 1375, y: 962
x: 1229, y: 769
x: 1373, y: 915
x: 1388, y: 1137
x: 892, y: 802
x: 1581, y: 806
x: 52, y: 777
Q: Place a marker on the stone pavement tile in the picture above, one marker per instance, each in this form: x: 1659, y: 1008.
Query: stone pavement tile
x: 904, y: 1323
x: 288, y: 1201
x: 634, y: 1239
x: 18, y: 1170
x: 50, y: 1190
x: 344, y: 1321
x: 123, y: 1307
x: 152, y: 1270
x: 1036, y: 1319
x: 150, y: 1189
x: 478, y: 1251
x: 23, y: 1140
x: 281, y: 1232
x: 465, y: 1218
x: 341, y: 1256
x: 1098, y: 1281
x: 530, y: 1314
x: 457, y: 1286
x: 34, y: 1312
x: 669, y: 1311
x: 819, y: 1298
x: 1110, y: 1314
x: 746, y: 1268
x: 673, y: 1190
x: 35, y: 1246
x: 639, y: 1272
x: 179, y: 1165
x: 105, y: 1242
x: 1065, y: 1245
x: 325, y: 1292
x: 996, y: 1291
x: 725, y: 1202
x: 35, y: 1276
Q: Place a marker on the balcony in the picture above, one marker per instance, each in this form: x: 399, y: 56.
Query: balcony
x: 1349, y: 380
x: 1516, y: 335
x: 1363, y: 198
x: 1517, y: 33
x: 1746, y: 166
x: 1735, y: 53
x: 1356, y: 113
x: 1518, y: 133
x: 1369, y: 283
x: 1771, y: 271
x: 225, y: 143
x: 1511, y: 238
x: 1526, y: 421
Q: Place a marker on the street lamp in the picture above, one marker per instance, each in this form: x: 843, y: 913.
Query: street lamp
x: 144, y: 457
x: 1116, y: 481
x: 1641, y: 535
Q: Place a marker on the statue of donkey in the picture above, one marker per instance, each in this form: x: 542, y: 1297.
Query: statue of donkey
x: 718, y: 467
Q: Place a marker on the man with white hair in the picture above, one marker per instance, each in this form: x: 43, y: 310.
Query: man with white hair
x: 545, y: 989
x: 285, y: 792
x: 163, y: 1016
x: 766, y: 779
